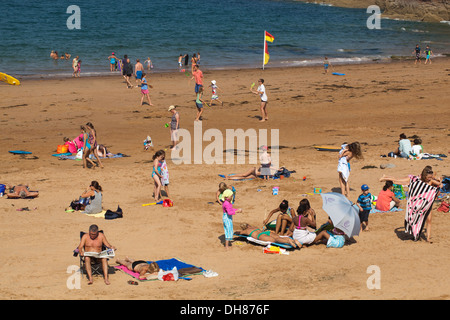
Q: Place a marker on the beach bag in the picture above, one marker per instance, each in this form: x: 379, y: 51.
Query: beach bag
x: 283, y: 172
x: 445, y: 185
x: 444, y: 207
x: 79, y: 154
x: 110, y: 215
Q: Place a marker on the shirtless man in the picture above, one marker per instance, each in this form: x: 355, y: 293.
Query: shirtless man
x: 146, y: 271
x: 93, y: 242
x: 21, y: 191
x: 138, y: 70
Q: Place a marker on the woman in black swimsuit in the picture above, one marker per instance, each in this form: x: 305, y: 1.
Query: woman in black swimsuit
x: 146, y: 271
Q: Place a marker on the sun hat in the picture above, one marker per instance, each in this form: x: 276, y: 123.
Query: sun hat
x: 213, y: 81
x: 364, y: 187
x: 171, y: 108
x: 227, y: 193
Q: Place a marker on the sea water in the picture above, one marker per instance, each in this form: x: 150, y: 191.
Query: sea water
x: 228, y: 34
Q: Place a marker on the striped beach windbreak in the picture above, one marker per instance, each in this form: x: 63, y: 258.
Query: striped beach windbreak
x: 421, y: 197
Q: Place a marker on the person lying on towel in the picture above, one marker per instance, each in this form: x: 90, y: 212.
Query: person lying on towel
x: 267, y: 235
x: 146, y: 270
x: 21, y: 191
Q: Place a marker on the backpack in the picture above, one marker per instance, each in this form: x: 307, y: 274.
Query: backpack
x: 110, y: 215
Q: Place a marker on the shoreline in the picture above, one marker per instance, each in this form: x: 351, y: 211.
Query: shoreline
x: 108, y: 74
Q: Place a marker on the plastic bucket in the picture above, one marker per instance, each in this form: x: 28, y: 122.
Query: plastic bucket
x: 2, y: 188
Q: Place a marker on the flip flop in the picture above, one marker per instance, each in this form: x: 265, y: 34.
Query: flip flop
x: 134, y: 283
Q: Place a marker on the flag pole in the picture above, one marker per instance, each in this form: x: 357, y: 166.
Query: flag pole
x: 264, y: 49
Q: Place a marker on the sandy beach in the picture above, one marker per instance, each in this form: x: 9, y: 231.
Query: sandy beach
x: 372, y: 104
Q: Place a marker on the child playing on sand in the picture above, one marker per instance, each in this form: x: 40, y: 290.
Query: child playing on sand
x: 326, y: 64
x: 199, y: 103
x: 156, y: 173
x: 214, y: 96
x: 364, y: 203
x: 165, y: 176
x: 144, y: 90
x: 222, y: 188
x: 79, y: 68
x: 348, y: 152
x: 417, y: 149
x: 228, y: 213
x: 266, y: 162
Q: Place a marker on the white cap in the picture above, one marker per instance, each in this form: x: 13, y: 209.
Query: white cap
x: 213, y: 81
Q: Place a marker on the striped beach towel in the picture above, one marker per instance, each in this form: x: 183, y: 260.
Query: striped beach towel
x: 420, y: 200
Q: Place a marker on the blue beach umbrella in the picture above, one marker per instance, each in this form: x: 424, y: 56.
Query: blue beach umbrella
x: 342, y: 212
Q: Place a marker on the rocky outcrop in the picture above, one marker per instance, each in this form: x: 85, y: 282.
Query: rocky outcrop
x: 421, y: 10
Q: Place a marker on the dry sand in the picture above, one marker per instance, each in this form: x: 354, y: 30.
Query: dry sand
x: 372, y: 104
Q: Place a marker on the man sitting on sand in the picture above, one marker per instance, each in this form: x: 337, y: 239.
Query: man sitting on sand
x: 92, y: 242
x: 146, y: 271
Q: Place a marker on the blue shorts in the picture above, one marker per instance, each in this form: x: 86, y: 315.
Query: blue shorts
x: 335, y: 241
x: 138, y: 74
x: 197, y: 87
x: 325, y: 66
x: 199, y: 105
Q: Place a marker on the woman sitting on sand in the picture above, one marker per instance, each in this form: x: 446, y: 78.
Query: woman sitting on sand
x: 284, y: 218
x: 267, y: 235
x: 334, y: 238
x: 306, y: 217
x: 94, y: 194
x: 386, y: 198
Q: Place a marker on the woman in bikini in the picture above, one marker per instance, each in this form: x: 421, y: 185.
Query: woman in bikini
x: 266, y: 235
x: 86, y: 147
x: 284, y: 218
x: 93, y: 142
x: 306, y: 217
x: 146, y: 271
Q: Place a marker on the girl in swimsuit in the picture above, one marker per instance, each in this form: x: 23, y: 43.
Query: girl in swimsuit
x: 156, y: 173
x: 306, y: 217
x: 86, y: 147
x: 93, y: 142
x: 283, y: 219
x: 267, y: 235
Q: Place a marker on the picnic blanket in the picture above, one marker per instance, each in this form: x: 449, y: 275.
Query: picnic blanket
x: 265, y: 243
x: 165, y: 265
x: 420, y: 201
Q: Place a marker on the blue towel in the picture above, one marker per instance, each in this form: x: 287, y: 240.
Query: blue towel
x: 168, y: 264
x: 394, y: 209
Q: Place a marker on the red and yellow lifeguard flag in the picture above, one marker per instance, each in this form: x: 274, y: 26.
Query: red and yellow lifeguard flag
x: 267, y: 38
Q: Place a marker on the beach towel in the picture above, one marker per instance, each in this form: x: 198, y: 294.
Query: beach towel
x: 74, y: 157
x: 394, y: 209
x: 165, y: 265
x: 420, y: 201
x: 343, y: 168
x: 265, y: 243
